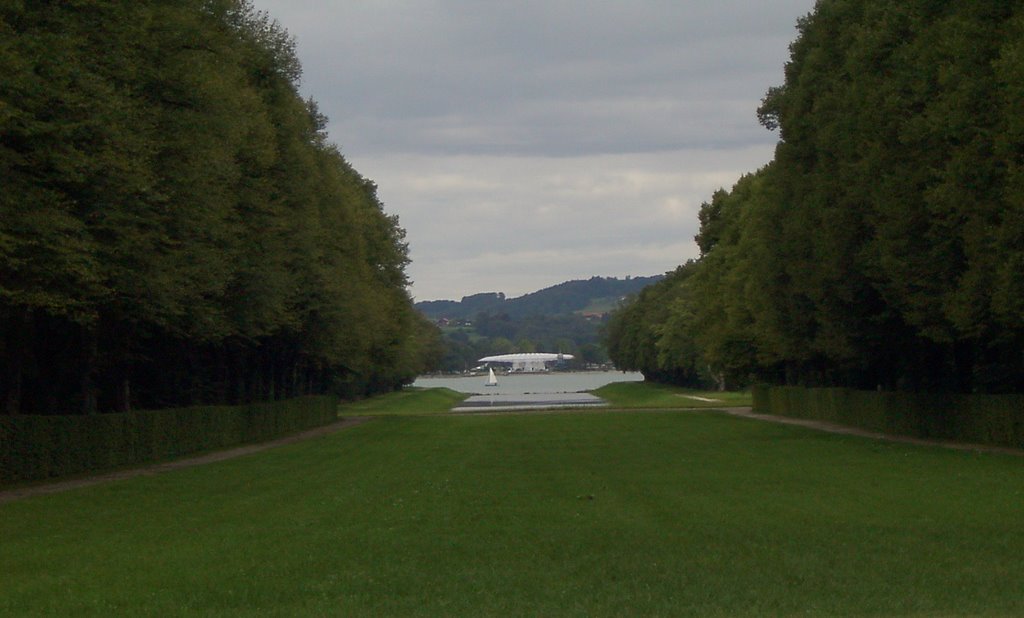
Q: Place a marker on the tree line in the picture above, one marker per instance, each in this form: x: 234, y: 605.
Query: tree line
x: 567, y: 317
x: 561, y: 299
x: 175, y: 227
x: 500, y: 333
x: 883, y: 246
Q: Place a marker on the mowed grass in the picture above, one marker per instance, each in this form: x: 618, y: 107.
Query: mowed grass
x: 652, y: 395
x: 615, y: 514
x: 405, y: 402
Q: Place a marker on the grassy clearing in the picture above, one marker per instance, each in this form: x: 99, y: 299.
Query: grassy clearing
x: 601, y: 305
x: 650, y: 395
x: 414, y: 401
x: 612, y: 514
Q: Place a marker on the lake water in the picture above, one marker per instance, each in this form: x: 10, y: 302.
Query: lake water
x: 532, y: 383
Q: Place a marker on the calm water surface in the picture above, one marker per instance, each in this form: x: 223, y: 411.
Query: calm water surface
x: 521, y: 383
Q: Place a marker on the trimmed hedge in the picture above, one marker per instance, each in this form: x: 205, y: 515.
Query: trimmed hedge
x: 40, y: 447
x: 996, y: 420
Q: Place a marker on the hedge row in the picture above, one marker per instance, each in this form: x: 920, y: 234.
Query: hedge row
x: 978, y: 419
x: 40, y: 447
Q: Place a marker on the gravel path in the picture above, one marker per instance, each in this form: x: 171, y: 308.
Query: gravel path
x: 10, y: 495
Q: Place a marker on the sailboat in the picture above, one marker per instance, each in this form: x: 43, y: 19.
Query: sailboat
x: 491, y: 379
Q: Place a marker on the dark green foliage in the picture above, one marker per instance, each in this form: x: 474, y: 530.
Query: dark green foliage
x: 882, y: 245
x: 174, y: 227
x: 644, y: 334
x: 979, y: 419
x: 40, y: 447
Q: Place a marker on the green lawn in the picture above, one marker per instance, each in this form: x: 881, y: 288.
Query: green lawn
x: 614, y: 514
x: 407, y: 401
x: 651, y: 395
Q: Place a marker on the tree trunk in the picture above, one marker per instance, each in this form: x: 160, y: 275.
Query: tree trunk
x: 121, y: 332
x: 964, y: 358
x: 123, y: 396
x: 271, y: 378
x: 90, y: 345
x: 18, y: 349
x: 12, y: 402
x: 222, y: 374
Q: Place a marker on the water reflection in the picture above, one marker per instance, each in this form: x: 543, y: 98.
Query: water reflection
x: 521, y: 383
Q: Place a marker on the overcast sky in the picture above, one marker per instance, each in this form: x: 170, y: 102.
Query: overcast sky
x: 523, y: 144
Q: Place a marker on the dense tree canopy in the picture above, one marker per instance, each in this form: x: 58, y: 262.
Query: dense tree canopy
x: 884, y: 244
x: 643, y: 335
x: 174, y: 226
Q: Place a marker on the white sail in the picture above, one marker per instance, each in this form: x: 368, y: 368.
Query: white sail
x: 491, y: 379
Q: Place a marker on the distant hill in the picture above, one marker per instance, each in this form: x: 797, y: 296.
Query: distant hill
x: 597, y: 295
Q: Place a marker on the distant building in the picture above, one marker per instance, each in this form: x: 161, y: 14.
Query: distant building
x: 527, y: 362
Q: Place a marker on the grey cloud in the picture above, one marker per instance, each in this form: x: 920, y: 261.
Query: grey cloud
x: 558, y: 78
x: 473, y: 214
x: 529, y: 142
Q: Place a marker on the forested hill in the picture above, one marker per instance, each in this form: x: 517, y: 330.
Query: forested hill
x: 882, y: 247
x: 567, y: 317
x: 175, y: 227
x: 599, y: 293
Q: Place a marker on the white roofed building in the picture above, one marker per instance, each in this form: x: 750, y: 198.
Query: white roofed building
x: 527, y: 362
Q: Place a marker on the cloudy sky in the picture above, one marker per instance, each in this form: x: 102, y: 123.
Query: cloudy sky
x: 526, y: 143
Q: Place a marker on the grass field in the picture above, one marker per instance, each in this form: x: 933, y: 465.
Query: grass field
x: 651, y: 395
x: 417, y: 401
x: 615, y: 514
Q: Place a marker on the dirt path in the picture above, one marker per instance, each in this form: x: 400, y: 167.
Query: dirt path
x: 10, y: 495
